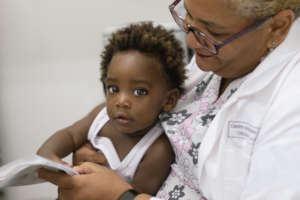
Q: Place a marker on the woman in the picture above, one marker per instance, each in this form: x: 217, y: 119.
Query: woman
x: 235, y: 133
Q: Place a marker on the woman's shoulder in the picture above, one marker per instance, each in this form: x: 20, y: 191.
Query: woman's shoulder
x: 282, y: 115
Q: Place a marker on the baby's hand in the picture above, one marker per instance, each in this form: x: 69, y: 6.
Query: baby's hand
x: 87, y: 153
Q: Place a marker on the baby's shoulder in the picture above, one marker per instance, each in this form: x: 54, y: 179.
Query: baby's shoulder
x: 160, y: 149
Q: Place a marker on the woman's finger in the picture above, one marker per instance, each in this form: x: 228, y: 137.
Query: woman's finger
x: 57, y: 178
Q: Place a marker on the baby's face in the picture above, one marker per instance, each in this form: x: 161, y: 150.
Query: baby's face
x: 136, y: 91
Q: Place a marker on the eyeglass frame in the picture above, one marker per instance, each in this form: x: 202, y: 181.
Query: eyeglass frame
x: 217, y: 45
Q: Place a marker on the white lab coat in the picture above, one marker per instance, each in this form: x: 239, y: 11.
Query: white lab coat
x: 251, y: 150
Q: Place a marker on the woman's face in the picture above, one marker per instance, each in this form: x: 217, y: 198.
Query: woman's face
x: 216, y: 18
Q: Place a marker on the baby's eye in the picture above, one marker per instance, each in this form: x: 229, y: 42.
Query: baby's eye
x: 140, y: 91
x: 112, y: 89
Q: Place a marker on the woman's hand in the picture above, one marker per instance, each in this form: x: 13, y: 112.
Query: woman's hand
x: 94, y: 183
x: 87, y: 153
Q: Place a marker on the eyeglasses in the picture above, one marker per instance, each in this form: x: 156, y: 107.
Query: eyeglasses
x: 179, y: 14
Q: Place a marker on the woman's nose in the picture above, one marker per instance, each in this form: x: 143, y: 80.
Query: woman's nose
x: 192, y: 41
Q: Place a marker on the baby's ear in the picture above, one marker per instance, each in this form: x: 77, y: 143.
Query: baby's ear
x: 171, y: 99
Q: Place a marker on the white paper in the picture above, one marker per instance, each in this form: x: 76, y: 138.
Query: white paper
x: 22, y: 171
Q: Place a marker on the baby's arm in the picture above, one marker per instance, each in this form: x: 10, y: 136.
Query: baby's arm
x: 155, y: 166
x: 67, y: 140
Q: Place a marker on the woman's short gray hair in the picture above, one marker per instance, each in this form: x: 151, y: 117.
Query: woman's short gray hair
x: 259, y: 9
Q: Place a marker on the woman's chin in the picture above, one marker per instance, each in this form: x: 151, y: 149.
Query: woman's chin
x: 202, y: 65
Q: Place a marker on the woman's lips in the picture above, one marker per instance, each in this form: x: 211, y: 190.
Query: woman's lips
x: 201, y: 55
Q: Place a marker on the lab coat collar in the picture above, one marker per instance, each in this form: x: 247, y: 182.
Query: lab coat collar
x: 274, y: 63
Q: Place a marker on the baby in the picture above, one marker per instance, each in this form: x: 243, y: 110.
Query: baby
x: 142, y: 72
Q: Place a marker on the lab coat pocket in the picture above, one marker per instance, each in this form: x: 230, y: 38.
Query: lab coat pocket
x: 241, y: 137
x: 242, y: 134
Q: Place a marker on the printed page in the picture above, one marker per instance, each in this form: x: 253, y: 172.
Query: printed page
x: 22, y: 171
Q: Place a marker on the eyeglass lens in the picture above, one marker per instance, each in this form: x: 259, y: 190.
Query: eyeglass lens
x: 180, y: 16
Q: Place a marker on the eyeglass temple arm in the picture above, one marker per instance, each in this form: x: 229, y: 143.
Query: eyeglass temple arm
x: 243, y: 32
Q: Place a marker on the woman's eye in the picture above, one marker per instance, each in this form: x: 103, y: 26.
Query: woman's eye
x: 214, y: 34
x: 139, y: 92
x: 111, y: 89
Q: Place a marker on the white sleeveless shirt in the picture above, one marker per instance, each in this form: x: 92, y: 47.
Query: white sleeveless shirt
x: 127, y: 167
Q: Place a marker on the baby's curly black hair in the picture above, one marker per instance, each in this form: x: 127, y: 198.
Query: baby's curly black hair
x: 154, y: 41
